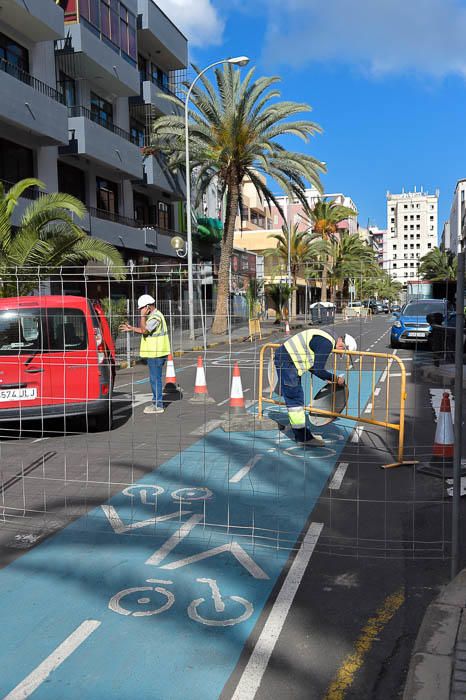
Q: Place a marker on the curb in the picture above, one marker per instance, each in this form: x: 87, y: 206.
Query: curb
x: 437, y: 670
x: 442, y: 375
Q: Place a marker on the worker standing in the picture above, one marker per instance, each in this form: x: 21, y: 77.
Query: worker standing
x: 307, y: 351
x: 155, y: 347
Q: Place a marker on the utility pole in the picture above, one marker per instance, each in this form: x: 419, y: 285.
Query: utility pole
x: 455, y: 531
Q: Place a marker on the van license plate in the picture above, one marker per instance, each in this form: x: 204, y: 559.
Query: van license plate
x: 18, y: 394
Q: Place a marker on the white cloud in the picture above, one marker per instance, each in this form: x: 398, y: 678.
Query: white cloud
x: 381, y: 36
x: 197, y: 19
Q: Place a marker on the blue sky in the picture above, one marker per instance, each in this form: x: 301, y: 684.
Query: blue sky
x: 386, y: 80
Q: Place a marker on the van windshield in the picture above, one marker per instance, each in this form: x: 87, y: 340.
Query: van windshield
x: 23, y: 331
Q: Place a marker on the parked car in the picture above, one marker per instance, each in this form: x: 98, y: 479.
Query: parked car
x: 57, y: 359
x: 442, y: 336
x: 411, y: 324
x: 395, y: 308
x: 385, y: 308
x: 374, y: 305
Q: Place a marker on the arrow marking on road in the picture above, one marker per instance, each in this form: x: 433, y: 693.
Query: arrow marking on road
x: 160, y: 554
x: 119, y: 527
x: 234, y: 548
x: 246, y: 469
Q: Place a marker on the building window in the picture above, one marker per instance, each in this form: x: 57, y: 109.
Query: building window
x: 405, y: 206
x: 411, y: 227
x: 429, y: 245
x: 411, y: 217
x: 418, y: 245
x: 15, y: 54
x: 109, y: 20
x: 159, y: 77
x: 392, y: 220
x: 394, y: 256
x: 128, y: 32
x: 431, y: 218
x: 418, y: 216
x: 136, y: 131
x: 101, y: 111
x: 406, y: 264
x: 164, y: 215
x: 418, y: 227
x: 16, y: 162
x: 405, y: 247
x: 418, y: 235
x: 405, y: 218
x: 431, y: 228
x: 394, y: 247
x: 144, y: 211
x: 107, y: 195
x: 66, y: 86
x: 71, y: 180
x: 394, y: 265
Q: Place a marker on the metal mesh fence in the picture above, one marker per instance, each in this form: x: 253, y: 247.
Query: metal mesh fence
x: 76, y: 445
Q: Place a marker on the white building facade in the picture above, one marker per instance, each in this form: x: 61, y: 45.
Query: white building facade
x: 412, y: 230
x: 457, y: 214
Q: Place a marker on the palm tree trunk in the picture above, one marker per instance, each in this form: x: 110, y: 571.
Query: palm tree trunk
x: 220, y: 324
x: 294, y: 297
x: 323, y: 295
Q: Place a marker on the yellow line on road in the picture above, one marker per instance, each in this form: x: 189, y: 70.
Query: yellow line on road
x: 369, y: 633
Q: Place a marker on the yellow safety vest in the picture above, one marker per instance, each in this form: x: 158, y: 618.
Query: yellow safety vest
x: 157, y: 343
x: 300, y: 352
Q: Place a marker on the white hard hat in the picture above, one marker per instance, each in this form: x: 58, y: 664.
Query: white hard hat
x: 350, y: 342
x: 144, y: 300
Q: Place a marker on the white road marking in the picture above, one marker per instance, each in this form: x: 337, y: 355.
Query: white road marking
x: 245, y: 470
x: 338, y: 476
x: 357, y: 433
x: 252, y: 675
x: 384, y: 376
x: 226, y: 400
x: 377, y: 391
x: 160, y: 554
x: 207, y: 427
x: 120, y: 528
x: 368, y: 408
x: 53, y: 661
x: 39, y: 439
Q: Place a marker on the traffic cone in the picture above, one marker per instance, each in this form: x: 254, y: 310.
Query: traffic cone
x: 171, y: 385
x: 200, y: 388
x: 444, y: 438
x: 236, y: 403
x: 441, y: 462
x: 287, y: 328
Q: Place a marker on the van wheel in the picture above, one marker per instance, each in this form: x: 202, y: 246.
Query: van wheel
x: 101, y: 422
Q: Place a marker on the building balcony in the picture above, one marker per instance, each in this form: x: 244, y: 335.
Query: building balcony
x: 156, y: 173
x: 84, y: 55
x: 39, y: 20
x: 152, y: 102
x: 129, y: 234
x: 102, y: 142
x: 157, y: 35
x: 31, y: 104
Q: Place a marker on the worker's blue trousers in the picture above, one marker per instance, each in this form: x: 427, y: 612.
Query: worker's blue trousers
x: 290, y: 387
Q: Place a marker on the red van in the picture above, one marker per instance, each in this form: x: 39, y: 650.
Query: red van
x: 57, y: 359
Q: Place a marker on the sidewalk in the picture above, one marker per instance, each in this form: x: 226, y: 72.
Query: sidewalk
x: 437, y: 670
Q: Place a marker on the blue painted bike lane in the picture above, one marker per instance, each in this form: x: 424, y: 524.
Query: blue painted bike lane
x: 173, y: 573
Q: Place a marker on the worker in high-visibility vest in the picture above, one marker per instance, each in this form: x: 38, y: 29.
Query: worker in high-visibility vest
x: 155, y: 347
x: 307, y: 351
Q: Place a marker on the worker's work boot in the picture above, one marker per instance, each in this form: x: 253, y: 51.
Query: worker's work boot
x: 304, y: 436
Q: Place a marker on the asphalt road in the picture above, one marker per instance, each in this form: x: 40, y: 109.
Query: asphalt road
x: 336, y: 564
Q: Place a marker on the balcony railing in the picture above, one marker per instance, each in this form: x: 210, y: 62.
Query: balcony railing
x: 31, y: 192
x: 79, y: 111
x: 36, y: 84
x: 116, y: 218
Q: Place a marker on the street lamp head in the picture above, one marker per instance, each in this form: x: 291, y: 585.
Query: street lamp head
x: 177, y: 243
x: 239, y: 61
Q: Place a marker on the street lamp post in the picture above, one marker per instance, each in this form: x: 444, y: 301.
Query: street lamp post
x: 238, y: 61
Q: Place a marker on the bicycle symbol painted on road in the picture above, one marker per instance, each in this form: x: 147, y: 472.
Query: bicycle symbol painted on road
x: 196, y: 609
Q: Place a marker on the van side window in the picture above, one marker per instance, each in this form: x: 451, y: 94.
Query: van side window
x: 20, y: 331
x: 67, y: 329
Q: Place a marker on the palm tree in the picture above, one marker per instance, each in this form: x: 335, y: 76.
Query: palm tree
x: 46, y: 239
x: 438, y: 265
x: 304, y: 248
x: 323, y: 218
x: 233, y: 134
x: 279, y: 295
x: 351, y: 258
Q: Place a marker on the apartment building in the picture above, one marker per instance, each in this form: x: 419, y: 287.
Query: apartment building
x: 294, y: 210
x: 412, y: 221
x: 80, y: 84
x: 454, y: 229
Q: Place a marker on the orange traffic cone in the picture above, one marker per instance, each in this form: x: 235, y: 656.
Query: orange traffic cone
x: 170, y: 375
x: 236, y: 403
x: 287, y: 328
x: 441, y: 462
x: 444, y: 438
x: 200, y: 388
